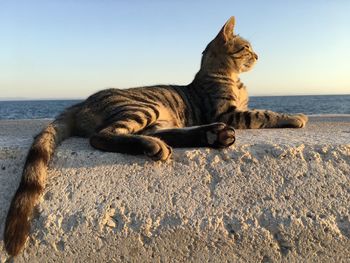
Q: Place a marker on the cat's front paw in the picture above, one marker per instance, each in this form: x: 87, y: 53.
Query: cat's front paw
x: 294, y: 121
x: 158, y: 150
x: 302, y: 119
x: 220, y: 135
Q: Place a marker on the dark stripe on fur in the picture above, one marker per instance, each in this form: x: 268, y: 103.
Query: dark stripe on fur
x: 267, y: 116
x: 237, y: 119
x: 36, y: 154
x: 189, y: 118
x: 229, y: 110
x: 247, y: 119
x: 137, y: 118
x: 231, y: 119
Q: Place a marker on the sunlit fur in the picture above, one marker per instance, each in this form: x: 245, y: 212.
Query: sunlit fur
x: 228, y: 53
x: 151, y: 120
x: 236, y: 56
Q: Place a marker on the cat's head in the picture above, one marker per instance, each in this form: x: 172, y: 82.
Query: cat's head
x: 228, y: 52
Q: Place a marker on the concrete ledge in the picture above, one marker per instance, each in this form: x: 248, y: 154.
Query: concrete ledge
x: 276, y: 196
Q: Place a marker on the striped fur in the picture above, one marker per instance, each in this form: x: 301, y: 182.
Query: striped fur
x: 33, y: 180
x: 151, y: 120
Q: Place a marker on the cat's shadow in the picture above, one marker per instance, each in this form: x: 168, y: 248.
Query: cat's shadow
x: 77, y: 153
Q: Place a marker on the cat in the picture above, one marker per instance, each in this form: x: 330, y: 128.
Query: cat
x: 151, y: 120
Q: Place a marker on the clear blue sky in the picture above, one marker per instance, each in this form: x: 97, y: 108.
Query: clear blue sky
x: 71, y: 48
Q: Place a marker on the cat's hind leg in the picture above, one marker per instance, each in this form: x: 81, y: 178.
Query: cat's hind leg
x: 116, y: 138
x: 215, y: 135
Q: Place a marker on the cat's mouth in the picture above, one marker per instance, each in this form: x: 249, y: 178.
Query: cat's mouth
x: 248, y: 66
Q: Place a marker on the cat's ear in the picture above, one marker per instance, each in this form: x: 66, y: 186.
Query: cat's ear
x: 226, y: 33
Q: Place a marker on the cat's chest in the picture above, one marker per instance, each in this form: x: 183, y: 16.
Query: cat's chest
x: 235, y: 96
x: 241, y: 98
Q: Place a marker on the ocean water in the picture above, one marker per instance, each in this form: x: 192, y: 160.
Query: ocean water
x: 310, y: 105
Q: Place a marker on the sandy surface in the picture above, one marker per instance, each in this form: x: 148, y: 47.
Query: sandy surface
x: 276, y: 196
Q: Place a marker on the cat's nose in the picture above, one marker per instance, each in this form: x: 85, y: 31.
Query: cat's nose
x: 256, y: 56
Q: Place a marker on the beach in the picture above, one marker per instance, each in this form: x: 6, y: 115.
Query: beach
x: 277, y: 195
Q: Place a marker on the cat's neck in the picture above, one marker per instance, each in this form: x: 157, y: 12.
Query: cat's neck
x: 216, y: 77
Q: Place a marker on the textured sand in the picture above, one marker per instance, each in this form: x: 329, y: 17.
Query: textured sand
x: 276, y: 196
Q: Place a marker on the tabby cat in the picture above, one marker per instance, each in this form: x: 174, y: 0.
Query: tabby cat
x: 151, y: 120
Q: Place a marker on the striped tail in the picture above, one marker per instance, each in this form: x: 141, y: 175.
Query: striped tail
x: 32, y: 183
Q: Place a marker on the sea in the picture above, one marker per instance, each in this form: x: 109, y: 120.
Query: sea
x: 310, y: 105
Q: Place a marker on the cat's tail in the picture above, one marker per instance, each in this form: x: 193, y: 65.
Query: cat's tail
x: 33, y: 180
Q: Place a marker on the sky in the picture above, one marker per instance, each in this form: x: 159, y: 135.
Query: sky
x: 72, y: 48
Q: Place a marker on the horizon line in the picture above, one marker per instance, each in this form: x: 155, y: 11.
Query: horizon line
x: 83, y: 98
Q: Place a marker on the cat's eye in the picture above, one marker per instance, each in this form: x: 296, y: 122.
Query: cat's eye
x: 246, y: 46
x: 238, y: 51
